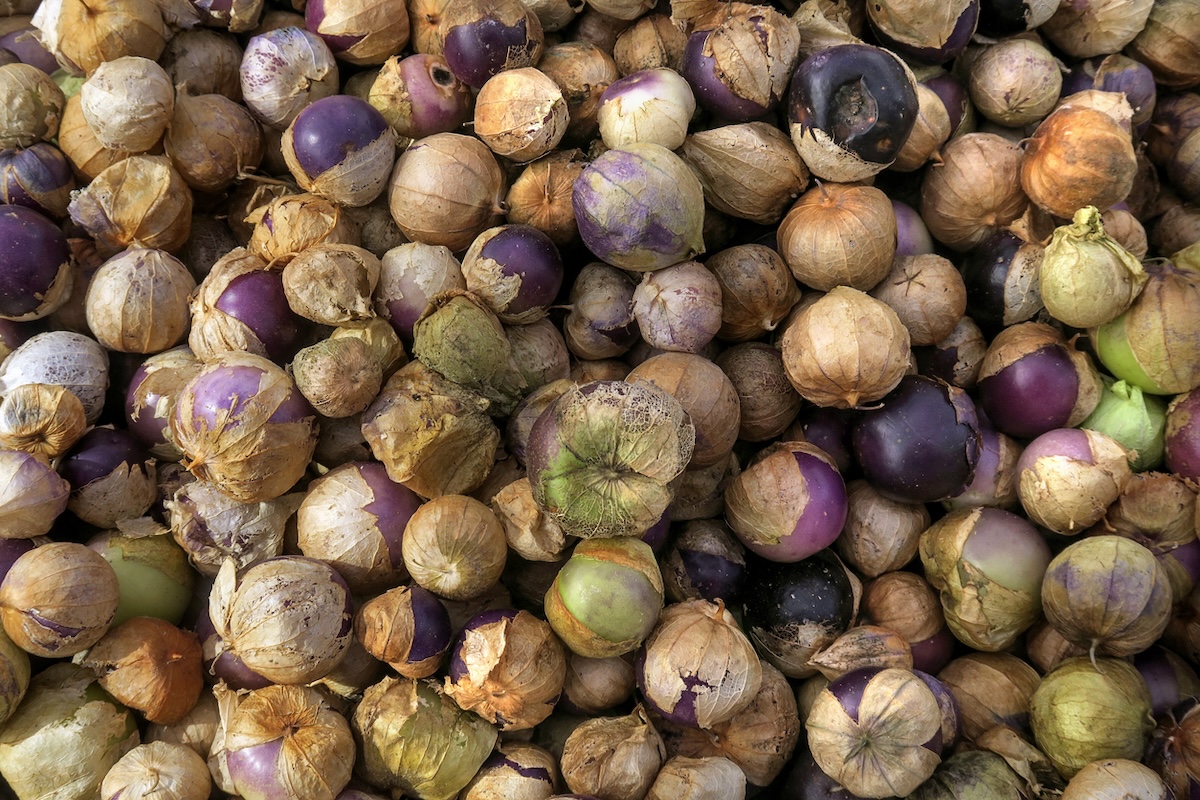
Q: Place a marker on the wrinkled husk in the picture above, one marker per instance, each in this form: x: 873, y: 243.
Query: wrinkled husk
x: 1096, y: 27
x: 608, y: 457
x: 338, y: 377
x: 195, y: 730
x: 927, y: 292
x: 355, y: 181
x: 754, y: 53
x: 748, y: 170
x: 863, y: 646
x: 15, y: 673
x: 416, y: 740
x: 378, y: 30
x: 980, y: 611
x: 531, y: 534
x: 315, y: 751
x: 973, y: 775
x: 83, y: 35
x: 593, y: 685
x: 541, y: 196
x: 260, y: 621
x: 212, y: 526
x: 991, y: 689
x: 454, y: 546
x: 520, y: 114
x: 1087, y: 278
x: 1157, y: 509
x: 757, y: 290
x: 929, y: 133
x: 1078, y: 157
x: 31, y: 106
x: 331, y: 284
x: 32, y: 497
x: 290, y: 224
x: 212, y: 141
x: 614, y: 757
x: 974, y: 191
x: 711, y: 778
x: 158, y: 771
x: 245, y: 455
x: 64, y: 358
x: 128, y: 103
x: 880, y: 534
x: 1116, y: 779
x: 879, y: 752
x: 1135, y: 420
x: 513, y: 671
x: 1022, y: 757
x: 839, y: 235
x: 138, y: 302
x: 431, y: 434
x: 65, y: 736
x: 214, y: 332
x: 708, y: 397
x: 1066, y: 495
x: 830, y: 368
x: 141, y: 201
x: 1163, y: 44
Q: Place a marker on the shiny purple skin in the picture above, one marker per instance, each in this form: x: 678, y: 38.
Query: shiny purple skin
x: 438, y: 102
x: 37, y: 177
x: 526, y: 252
x: 224, y: 392
x: 912, y: 237
x: 256, y: 770
x: 257, y: 300
x: 954, y: 96
x: 934, y: 653
x: 457, y: 668
x: 922, y: 444
x: 711, y: 92
x: 859, y: 95
x: 393, y: 506
x: 314, y: 15
x: 828, y: 429
x: 478, y: 50
x: 1161, y: 678
x: 330, y: 129
x: 24, y: 44
x: 32, y: 250
x: 714, y: 577
x: 656, y: 535
x: 1116, y: 73
x: 431, y: 626
x: 1032, y: 395
x: 98, y: 453
x: 985, y: 270
x: 822, y: 519
x: 1181, y: 437
x: 149, y: 429
x: 934, y: 52
x: 951, y: 717
x: 981, y: 491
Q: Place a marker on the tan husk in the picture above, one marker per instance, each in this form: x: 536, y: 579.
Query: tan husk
x: 768, y: 400
x: 753, y: 53
x: 520, y: 114
x: 1066, y: 495
x: 615, y: 757
x: 905, y: 603
x: 710, y: 778
x: 1015, y: 82
x: 158, y: 771
x: 651, y: 42
x: 455, y: 547
x: 1097, y: 27
x: 700, y: 493
x: 880, y: 534
x: 582, y: 70
x: 331, y: 284
x: 212, y: 526
x: 81, y: 147
x: 83, y: 35
x: 42, y: 419
x: 929, y: 133
x: 125, y: 493
x: 839, y: 235
x: 31, y: 106
x: 212, y: 141
x: 291, y: 224
x: 356, y: 180
x: 141, y: 201
x: 974, y: 191
x: 757, y: 290
x: 1165, y: 46
x: 128, y: 103
x: 386, y: 627
x: 593, y: 685
x: 339, y: 377
x: 381, y: 29
x: 1078, y: 157
x: 194, y: 730
x: 150, y: 665
x: 1127, y: 231
x: 316, y: 751
x: 530, y: 533
x: 137, y: 302
x: 846, y: 350
x: 541, y: 195
x: 991, y: 689
x: 1116, y: 779
x: 514, y: 670
x: 860, y: 647
x: 927, y: 292
x: 918, y: 23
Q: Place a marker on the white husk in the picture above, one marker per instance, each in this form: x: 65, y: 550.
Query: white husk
x: 158, y: 771
x: 71, y: 360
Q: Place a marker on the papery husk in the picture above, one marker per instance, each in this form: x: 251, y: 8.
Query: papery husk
x: 991, y: 689
x: 927, y: 292
x: 538, y: 356
x: 445, y: 189
x: 81, y: 147
x: 929, y: 133
x: 973, y: 775
x: 980, y: 611
x: 711, y: 778
x: 356, y: 180
x: 1108, y: 594
x: 339, y: 377
x: 126, y: 492
x: 416, y: 740
x: 757, y: 290
x: 245, y: 455
x: 1087, y: 278
x: 974, y: 191
x: 513, y: 671
x: 15, y: 673
x: 383, y: 343
x: 32, y: 107
x: 823, y: 24
x: 748, y: 170
x: 520, y: 114
x: 138, y: 302
x: 615, y: 757
x: 1078, y: 157
x: 331, y: 284
x: 880, y: 753
x: 593, y: 685
x: 839, y: 235
x: 863, y: 646
x: 83, y: 35
x: 1116, y: 779
x: 651, y: 42
x: 454, y: 546
x: 760, y: 740
x: 431, y: 434
x: 64, y: 737
x: 754, y: 53
x: 151, y: 666
x: 531, y: 534
x: 141, y: 201
x: 768, y: 401
x: 1137, y: 422
x: 1157, y: 510
x: 1165, y: 46
x: 830, y: 368
x: 1115, y: 104
x: 905, y: 603
x: 541, y: 196
x: 288, y: 225
x: 70, y: 359
x: 698, y: 664
x: 212, y: 141
x: 41, y: 419
x: 880, y: 534
x: 195, y: 729
x: 259, y: 620
x: 707, y: 396
x: 158, y: 771
x: 1127, y: 230
x: 707, y: 539
x: 316, y: 750
x: 1088, y: 709
x: 378, y: 30
x: 1066, y: 495
x: 212, y: 526
x: 1015, y: 82
x: 1097, y: 27
x: 1027, y: 761
x: 128, y: 103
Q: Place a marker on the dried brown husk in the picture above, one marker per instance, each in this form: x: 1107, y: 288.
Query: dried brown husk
x: 194, y: 730
x: 285, y: 618
x: 707, y: 396
x: 683, y: 778
x: 31, y: 106
x: 137, y: 302
x: 128, y: 103
x: 81, y: 147
x: 974, y: 191
x: 377, y: 230
x: 58, y: 599
x: 768, y: 400
x: 541, y: 195
x: 316, y: 748
x: 125, y: 493
x: 1097, y: 27
x: 288, y: 225
x: 839, y: 235
x: 386, y: 626
x: 991, y: 689
x: 332, y: 284
x: 141, y: 201
x: 1116, y: 779
x: 530, y: 533
x: 205, y: 61
x: 700, y: 493
x: 212, y: 141
x: 149, y: 665
x: 1167, y: 44
x: 431, y: 434
x: 212, y: 526
x: 158, y: 771
x: 845, y: 350
x: 929, y: 133
x: 446, y: 189
x: 1046, y: 648
x: 379, y: 28
x: 538, y: 356
x: 1127, y: 230
x: 454, y: 546
x: 1015, y: 82
x: 381, y: 340
x: 247, y: 457
x: 760, y: 740
x: 860, y: 647
x: 1029, y: 763
x: 709, y: 537
x: 616, y: 757
x: 880, y: 751
x: 753, y: 53
x: 1115, y: 104
x: 600, y: 322
x: 521, y: 114
x: 757, y: 290
x: 826, y: 23
x: 594, y: 685
x: 905, y: 603
x: 41, y: 419
x: 513, y: 671
x: 1078, y: 157
x: 582, y: 70
x: 83, y: 35
x: 1067, y: 495
x: 339, y: 377
x: 927, y: 293
x: 880, y: 534
x: 652, y: 41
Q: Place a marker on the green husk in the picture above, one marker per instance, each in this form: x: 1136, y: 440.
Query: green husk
x: 1087, y: 278
x: 1136, y: 421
